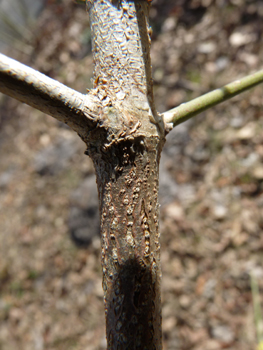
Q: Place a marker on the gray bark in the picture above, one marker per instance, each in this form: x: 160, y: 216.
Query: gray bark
x: 124, y: 136
x: 49, y: 96
x: 126, y: 151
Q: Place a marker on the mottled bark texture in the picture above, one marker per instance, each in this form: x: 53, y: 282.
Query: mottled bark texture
x: 127, y: 177
x: 125, y: 148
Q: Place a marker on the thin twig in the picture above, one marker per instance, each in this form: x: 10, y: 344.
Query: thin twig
x: 190, y: 109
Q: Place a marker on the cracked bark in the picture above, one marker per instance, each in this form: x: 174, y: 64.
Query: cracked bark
x: 127, y: 177
x: 124, y: 135
x: 125, y: 149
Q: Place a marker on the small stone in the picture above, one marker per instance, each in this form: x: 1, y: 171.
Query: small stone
x: 174, y: 211
x: 236, y: 122
x: 219, y: 211
x: 169, y: 324
x: 207, y: 47
x: 247, y: 132
x: 258, y: 172
x: 185, y: 301
x: 209, y: 288
x: 250, y: 59
x: 169, y: 24
x: 250, y: 160
x: 223, y: 333
x: 222, y: 63
x: 239, y: 39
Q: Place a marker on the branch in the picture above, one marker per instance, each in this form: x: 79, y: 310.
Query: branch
x: 190, y: 109
x: 48, y: 95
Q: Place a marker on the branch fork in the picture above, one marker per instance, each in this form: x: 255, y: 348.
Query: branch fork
x: 124, y: 135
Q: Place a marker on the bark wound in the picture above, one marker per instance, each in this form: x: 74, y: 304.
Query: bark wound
x: 127, y: 178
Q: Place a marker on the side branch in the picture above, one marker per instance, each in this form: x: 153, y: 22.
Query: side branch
x: 48, y: 95
x: 190, y: 109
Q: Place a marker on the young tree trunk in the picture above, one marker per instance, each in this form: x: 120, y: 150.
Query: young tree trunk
x: 125, y: 149
x: 124, y: 136
x: 127, y: 177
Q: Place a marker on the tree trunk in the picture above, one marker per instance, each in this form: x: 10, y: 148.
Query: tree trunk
x: 125, y: 148
x: 127, y: 177
x: 124, y: 136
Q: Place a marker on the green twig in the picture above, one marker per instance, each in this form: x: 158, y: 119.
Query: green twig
x: 189, y: 109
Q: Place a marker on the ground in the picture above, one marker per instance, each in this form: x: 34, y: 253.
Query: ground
x: 211, y: 187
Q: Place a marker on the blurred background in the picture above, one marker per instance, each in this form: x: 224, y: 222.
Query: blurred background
x: 211, y: 182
